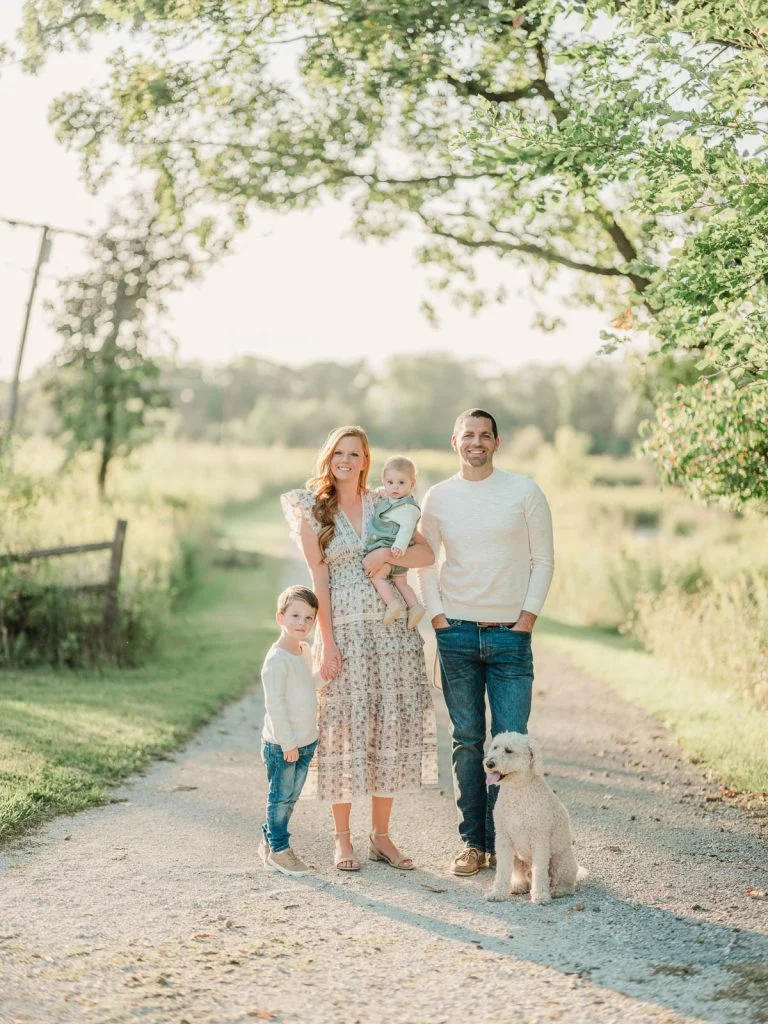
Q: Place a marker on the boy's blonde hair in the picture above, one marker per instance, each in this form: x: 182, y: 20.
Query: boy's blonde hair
x: 401, y: 462
x: 296, y: 594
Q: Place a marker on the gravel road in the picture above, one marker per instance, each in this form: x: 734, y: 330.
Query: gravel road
x: 154, y: 908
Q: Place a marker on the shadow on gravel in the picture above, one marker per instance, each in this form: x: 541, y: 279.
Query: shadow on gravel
x: 682, y: 965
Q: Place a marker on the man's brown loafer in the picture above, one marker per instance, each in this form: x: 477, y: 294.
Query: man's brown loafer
x: 468, y: 862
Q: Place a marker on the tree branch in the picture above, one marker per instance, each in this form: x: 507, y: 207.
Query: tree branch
x: 59, y: 28
x: 543, y: 87
x: 623, y: 243
x: 620, y: 239
x: 505, y: 96
x: 527, y: 248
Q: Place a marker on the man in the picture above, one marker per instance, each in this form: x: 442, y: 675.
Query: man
x: 495, y: 530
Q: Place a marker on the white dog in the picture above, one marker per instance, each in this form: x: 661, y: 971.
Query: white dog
x: 534, y: 844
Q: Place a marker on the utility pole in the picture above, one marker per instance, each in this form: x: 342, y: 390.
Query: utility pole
x: 43, y: 254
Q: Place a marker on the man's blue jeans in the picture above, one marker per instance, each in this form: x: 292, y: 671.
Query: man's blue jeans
x: 286, y: 781
x: 476, y: 660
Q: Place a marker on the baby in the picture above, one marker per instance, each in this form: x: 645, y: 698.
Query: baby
x: 394, y: 520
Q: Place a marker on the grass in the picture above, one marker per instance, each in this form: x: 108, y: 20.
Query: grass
x: 65, y: 738
x: 715, y: 727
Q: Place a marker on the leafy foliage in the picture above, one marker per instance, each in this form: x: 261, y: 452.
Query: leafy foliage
x: 107, y: 385
x: 709, y: 454
x: 621, y: 139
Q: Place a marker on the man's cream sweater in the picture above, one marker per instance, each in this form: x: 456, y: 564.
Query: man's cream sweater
x: 496, y: 538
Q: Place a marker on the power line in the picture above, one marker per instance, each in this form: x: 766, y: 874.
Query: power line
x: 14, y: 223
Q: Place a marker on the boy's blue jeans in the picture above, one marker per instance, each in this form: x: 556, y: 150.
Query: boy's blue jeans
x: 476, y: 660
x: 286, y: 781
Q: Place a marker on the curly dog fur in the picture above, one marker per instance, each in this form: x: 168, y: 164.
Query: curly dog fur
x: 534, y: 843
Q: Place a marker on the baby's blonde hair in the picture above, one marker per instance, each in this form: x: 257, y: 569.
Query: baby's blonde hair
x: 401, y: 462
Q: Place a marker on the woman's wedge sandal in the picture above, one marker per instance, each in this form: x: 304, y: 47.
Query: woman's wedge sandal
x: 350, y: 861
x: 374, y: 853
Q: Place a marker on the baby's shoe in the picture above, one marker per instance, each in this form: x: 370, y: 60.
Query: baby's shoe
x: 415, y: 615
x: 264, y: 851
x: 394, y: 610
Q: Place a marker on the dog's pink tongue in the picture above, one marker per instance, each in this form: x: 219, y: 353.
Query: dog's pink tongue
x: 493, y: 778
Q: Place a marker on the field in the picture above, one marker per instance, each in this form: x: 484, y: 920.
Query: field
x: 664, y: 600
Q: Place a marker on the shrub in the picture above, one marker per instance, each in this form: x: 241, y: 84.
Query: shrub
x: 46, y: 623
x: 565, y: 463
x: 684, y: 528
x: 712, y: 628
x: 47, y: 616
x: 626, y: 480
x: 642, y: 519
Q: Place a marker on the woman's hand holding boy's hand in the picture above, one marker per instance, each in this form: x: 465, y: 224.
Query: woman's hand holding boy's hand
x: 330, y: 665
x: 291, y: 755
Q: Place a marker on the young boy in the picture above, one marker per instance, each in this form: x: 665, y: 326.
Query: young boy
x: 395, y: 516
x: 290, y: 728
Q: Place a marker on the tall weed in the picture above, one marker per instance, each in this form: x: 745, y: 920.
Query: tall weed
x: 718, y: 631
x: 628, y: 556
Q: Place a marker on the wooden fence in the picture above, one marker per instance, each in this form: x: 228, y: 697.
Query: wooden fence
x: 109, y: 587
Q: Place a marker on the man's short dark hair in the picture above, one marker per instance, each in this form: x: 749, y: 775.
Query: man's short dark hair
x: 475, y: 413
x: 296, y: 594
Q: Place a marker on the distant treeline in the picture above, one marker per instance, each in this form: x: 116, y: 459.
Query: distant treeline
x: 409, y: 402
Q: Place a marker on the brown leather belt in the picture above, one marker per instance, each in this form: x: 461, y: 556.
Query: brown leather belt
x: 507, y: 625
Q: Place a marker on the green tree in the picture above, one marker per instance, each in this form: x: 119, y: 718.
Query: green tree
x: 620, y: 139
x: 597, y: 400
x: 105, y: 385
x: 529, y: 395
x: 673, y: 137
x: 715, y: 456
x: 418, y: 397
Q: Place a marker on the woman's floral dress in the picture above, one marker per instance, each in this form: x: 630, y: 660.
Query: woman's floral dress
x: 375, y: 720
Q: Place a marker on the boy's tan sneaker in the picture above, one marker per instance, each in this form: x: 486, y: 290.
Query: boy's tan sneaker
x: 468, y: 862
x: 286, y: 862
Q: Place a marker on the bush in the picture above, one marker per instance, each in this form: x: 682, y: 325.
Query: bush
x: 712, y: 440
x: 684, y: 528
x: 47, y: 613
x: 627, y: 480
x: 187, y: 568
x: 527, y: 443
x: 49, y: 624
x: 565, y: 463
x: 711, y: 628
x: 642, y: 519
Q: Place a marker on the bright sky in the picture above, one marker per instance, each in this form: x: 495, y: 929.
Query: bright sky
x: 294, y: 289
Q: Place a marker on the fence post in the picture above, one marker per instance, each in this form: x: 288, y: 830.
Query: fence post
x: 109, y: 612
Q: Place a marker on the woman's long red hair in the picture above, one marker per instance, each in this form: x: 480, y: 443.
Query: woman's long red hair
x: 324, y: 486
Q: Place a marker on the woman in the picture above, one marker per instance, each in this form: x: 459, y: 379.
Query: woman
x: 375, y: 719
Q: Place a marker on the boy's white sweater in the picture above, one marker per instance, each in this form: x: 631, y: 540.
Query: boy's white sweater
x: 496, y: 538
x: 289, y: 697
